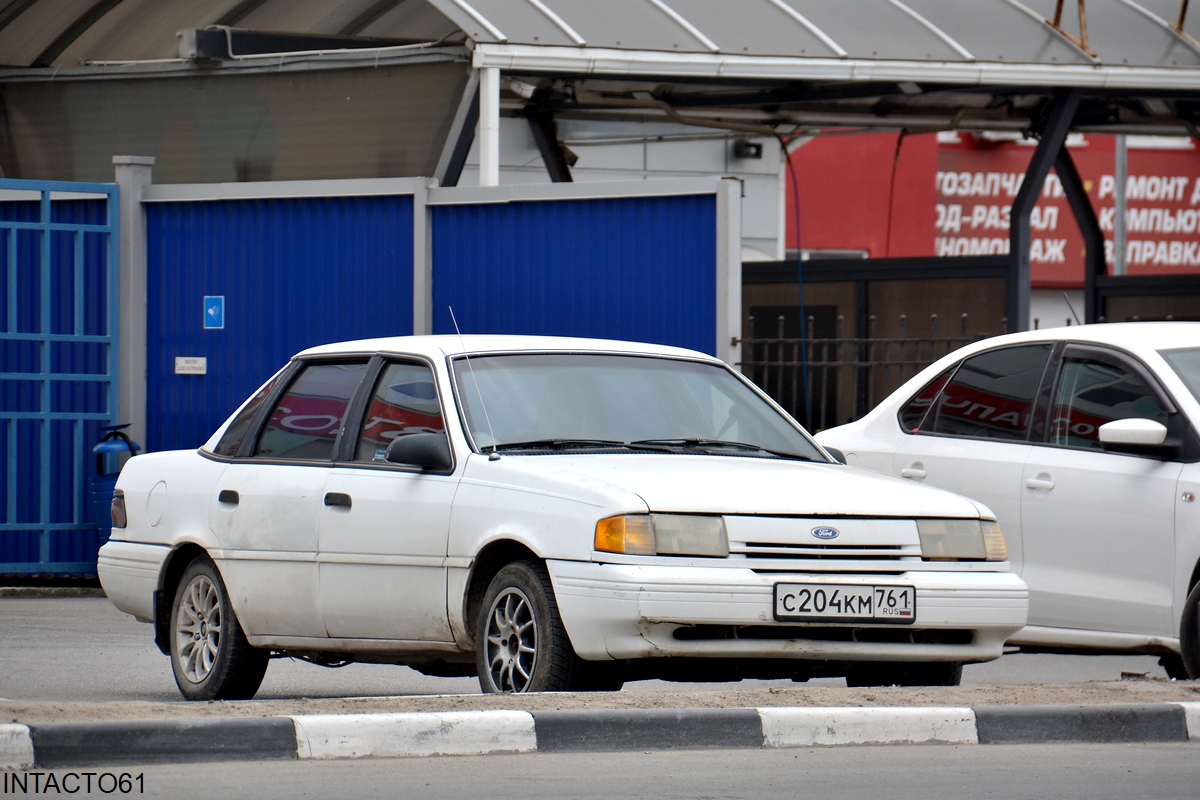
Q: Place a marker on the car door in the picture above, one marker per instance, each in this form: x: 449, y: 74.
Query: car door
x: 383, y: 527
x: 267, y: 504
x: 973, y: 439
x: 1099, y: 526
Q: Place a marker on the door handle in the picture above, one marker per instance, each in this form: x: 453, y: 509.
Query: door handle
x: 1042, y: 482
x: 337, y: 499
x: 228, y: 496
x: 916, y: 472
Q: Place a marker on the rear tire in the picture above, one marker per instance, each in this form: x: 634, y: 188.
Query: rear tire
x: 901, y: 673
x: 520, y: 642
x: 210, y: 656
x: 1189, y: 634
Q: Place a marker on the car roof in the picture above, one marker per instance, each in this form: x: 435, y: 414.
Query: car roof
x: 1132, y: 336
x: 439, y: 346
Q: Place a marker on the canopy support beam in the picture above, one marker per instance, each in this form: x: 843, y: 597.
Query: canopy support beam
x: 1053, y: 138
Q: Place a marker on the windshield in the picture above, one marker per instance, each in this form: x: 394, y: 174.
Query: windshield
x: 553, y: 400
x: 1186, y: 363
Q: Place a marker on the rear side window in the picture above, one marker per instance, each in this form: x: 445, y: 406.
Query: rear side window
x: 992, y: 395
x: 236, y: 432
x: 1093, y: 391
x: 914, y: 410
x: 307, y: 420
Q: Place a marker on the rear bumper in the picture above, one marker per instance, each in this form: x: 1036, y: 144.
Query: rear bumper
x: 619, y: 611
x: 129, y: 573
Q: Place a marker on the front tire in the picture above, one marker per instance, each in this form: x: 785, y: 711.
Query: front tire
x: 210, y: 656
x: 1189, y: 634
x: 520, y: 642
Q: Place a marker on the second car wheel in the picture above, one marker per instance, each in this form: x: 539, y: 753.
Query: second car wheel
x: 520, y: 642
x: 1189, y: 634
x: 210, y: 656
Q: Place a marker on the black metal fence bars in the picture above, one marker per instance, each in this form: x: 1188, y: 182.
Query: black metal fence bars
x: 827, y: 381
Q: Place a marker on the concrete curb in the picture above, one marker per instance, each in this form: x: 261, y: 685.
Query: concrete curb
x: 51, y: 591
x: 494, y: 732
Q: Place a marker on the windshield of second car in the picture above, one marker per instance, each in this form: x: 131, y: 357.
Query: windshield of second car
x: 1186, y: 363
x: 558, y: 400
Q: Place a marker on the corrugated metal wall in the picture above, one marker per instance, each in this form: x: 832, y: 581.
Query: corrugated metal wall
x: 57, y: 376
x: 637, y: 268
x: 294, y: 272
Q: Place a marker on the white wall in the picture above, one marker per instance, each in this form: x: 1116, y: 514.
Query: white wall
x: 1048, y: 308
x: 621, y: 151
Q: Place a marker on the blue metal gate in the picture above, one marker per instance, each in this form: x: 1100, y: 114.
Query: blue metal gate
x: 58, y: 369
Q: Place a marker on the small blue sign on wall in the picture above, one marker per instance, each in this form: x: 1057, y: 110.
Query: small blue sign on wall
x: 214, y: 313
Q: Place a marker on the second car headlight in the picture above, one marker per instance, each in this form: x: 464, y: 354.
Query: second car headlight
x: 663, y: 534
x: 966, y: 539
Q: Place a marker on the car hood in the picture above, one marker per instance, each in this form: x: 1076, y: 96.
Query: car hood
x: 736, y: 485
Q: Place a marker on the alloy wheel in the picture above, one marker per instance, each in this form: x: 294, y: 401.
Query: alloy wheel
x: 198, y: 629
x: 511, y: 641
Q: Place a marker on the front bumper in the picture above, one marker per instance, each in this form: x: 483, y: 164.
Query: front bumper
x: 616, y: 611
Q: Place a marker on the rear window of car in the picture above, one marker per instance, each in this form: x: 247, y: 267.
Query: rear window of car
x: 991, y: 396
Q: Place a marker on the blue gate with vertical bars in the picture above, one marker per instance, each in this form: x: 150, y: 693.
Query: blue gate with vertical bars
x: 58, y: 370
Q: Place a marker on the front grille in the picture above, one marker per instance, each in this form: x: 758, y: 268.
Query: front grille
x: 819, y: 552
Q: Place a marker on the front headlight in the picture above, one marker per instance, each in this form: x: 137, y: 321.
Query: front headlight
x: 961, y: 539
x: 664, y: 535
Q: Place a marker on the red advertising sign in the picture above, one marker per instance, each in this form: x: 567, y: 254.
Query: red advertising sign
x: 974, y: 181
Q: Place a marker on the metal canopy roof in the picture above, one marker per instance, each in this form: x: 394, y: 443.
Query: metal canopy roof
x: 770, y: 64
x: 1122, y: 32
x: 1127, y: 33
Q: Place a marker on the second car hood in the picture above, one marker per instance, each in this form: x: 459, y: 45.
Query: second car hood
x: 737, y: 485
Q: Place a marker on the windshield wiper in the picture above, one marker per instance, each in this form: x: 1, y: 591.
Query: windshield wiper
x: 556, y: 444
x: 695, y: 443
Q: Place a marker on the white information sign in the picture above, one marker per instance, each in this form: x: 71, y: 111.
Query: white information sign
x: 191, y: 365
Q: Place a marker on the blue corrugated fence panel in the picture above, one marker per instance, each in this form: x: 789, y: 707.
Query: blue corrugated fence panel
x: 641, y: 268
x: 294, y: 273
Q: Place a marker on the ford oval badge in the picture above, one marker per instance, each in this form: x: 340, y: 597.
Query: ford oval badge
x: 825, y: 533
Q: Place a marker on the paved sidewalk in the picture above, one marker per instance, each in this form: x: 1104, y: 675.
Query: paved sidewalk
x: 52, y: 745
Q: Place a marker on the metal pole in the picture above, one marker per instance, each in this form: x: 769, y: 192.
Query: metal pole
x: 1122, y: 171
x: 133, y: 175
x: 489, y: 126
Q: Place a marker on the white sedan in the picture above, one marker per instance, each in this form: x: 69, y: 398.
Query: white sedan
x: 549, y: 514
x: 1084, y: 442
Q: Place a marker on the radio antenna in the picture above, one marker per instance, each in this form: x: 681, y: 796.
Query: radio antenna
x: 471, y: 368
x: 1072, y: 308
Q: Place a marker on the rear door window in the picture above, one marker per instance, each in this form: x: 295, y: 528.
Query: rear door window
x: 309, y: 417
x: 992, y: 395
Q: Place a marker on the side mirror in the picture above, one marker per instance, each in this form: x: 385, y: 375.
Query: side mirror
x: 1141, y: 437
x: 429, y: 451
x: 837, y: 454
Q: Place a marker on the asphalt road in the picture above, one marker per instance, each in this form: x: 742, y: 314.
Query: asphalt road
x: 62, y: 649
x: 895, y: 772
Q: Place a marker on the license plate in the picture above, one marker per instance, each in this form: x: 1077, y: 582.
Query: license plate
x: 845, y: 603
